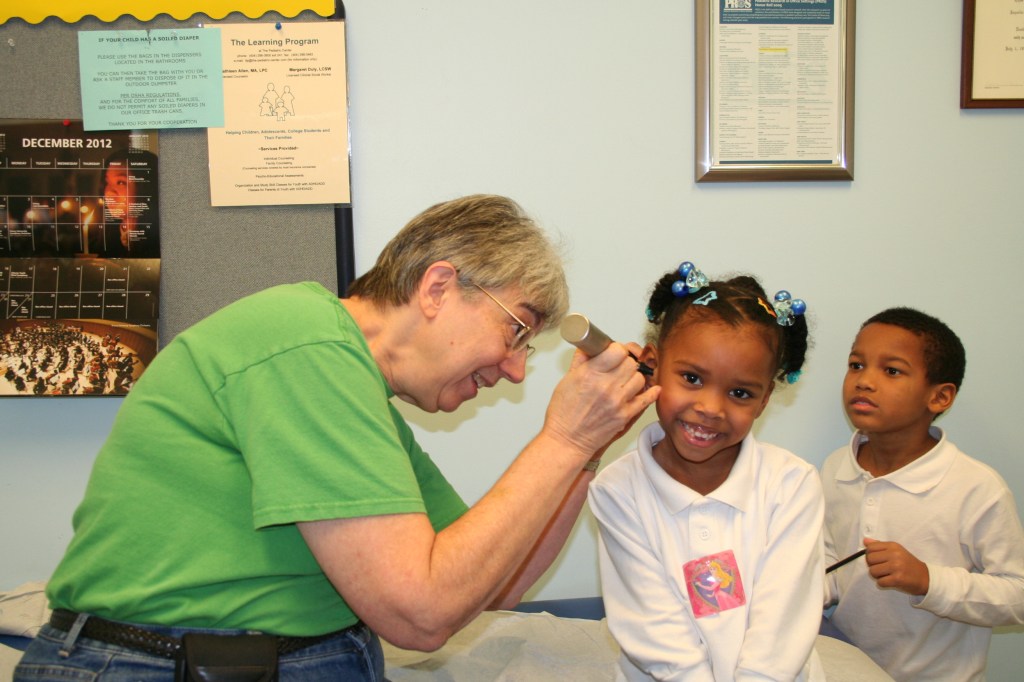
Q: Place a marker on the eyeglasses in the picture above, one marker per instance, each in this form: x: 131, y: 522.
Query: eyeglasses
x: 523, y: 335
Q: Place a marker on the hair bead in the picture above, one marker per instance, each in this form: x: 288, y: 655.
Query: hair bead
x: 786, y: 307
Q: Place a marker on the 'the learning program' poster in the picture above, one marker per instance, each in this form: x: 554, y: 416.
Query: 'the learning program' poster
x: 285, y: 134
x: 79, y: 258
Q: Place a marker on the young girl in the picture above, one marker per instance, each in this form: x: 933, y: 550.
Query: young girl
x: 710, y: 542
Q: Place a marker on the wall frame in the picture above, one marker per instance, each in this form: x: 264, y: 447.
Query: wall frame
x: 992, y: 55
x: 775, y: 86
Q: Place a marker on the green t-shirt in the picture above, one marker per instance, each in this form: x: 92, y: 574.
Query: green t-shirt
x: 268, y: 412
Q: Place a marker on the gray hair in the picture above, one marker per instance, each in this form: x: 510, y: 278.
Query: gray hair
x: 492, y: 243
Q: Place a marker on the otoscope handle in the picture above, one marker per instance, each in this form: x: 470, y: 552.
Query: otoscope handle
x: 582, y: 333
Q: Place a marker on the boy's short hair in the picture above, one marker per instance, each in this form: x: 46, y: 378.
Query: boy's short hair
x: 944, y: 354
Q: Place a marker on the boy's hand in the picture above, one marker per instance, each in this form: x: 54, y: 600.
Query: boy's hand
x: 891, y: 565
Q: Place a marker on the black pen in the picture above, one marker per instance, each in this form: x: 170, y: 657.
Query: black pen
x: 843, y: 562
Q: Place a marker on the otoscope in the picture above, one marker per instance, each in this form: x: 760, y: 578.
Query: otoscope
x: 584, y: 334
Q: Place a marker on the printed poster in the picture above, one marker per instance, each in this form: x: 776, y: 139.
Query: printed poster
x: 150, y: 79
x: 79, y: 258
x: 285, y: 134
x: 778, y: 93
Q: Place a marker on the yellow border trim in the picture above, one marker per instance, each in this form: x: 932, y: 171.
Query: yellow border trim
x: 72, y: 11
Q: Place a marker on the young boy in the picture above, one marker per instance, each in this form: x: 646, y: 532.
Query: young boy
x: 945, y: 549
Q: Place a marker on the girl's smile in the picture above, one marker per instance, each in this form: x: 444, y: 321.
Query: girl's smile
x: 699, y: 435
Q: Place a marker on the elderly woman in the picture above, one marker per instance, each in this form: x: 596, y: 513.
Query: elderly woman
x: 258, y: 479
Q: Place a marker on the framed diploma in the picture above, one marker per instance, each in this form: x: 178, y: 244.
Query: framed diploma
x: 774, y: 90
x: 992, y: 56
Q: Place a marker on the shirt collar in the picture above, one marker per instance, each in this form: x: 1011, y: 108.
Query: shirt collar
x: 921, y: 475
x: 676, y: 497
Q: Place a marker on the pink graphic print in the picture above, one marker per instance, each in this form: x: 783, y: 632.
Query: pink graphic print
x: 714, y: 584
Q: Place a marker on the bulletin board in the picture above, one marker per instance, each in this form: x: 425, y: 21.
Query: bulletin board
x: 210, y: 256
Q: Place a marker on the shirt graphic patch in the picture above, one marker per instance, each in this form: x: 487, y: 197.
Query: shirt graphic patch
x: 714, y: 584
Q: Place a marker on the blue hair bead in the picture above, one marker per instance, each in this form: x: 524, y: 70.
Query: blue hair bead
x: 690, y: 281
x: 793, y: 377
x: 787, y: 308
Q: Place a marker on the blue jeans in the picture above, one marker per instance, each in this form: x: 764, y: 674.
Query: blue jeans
x: 353, y: 655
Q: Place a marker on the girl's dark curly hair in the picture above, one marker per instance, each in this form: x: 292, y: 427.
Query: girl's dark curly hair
x: 739, y: 300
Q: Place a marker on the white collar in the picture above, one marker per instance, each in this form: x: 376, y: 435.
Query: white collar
x: 676, y: 497
x: 921, y: 475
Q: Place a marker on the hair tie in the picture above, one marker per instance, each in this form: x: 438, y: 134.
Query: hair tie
x: 787, y: 308
x: 691, y: 280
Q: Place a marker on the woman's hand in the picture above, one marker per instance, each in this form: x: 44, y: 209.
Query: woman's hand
x: 598, y: 399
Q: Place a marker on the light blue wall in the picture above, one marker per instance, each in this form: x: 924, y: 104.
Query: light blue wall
x: 45, y: 457
x: 584, y: 112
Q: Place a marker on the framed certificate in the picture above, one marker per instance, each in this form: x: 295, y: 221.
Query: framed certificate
x: 774, y: 90
x: 992, y: 56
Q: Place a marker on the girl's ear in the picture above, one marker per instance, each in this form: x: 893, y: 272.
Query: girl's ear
x: 649, y: 357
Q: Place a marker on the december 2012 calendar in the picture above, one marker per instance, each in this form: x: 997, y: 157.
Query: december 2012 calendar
x: 79, y: 258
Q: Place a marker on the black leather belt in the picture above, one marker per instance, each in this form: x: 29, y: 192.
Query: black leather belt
x: 141, y: 639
